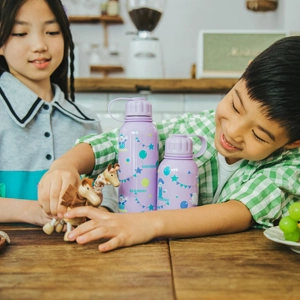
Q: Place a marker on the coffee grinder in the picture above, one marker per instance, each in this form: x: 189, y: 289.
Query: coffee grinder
x: 145, y: 55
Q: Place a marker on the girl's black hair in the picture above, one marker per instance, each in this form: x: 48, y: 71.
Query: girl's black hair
x: 8, y: 12
x: 273, y: 80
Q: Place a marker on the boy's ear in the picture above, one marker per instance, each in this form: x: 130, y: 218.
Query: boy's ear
x: 293, y: 145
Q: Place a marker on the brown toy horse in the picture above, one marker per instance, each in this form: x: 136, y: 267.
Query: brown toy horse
x: 85, y: 194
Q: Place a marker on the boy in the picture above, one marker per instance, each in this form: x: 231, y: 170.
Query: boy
x: 249, y: 174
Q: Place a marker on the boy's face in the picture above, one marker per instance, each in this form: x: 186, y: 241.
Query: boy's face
x: 36, y: 47
x: 243, y: 131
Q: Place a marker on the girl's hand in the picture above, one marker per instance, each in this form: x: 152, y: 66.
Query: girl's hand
x: 63, y: 172
x: 122, y: 230
x: 24, y: 211
x: 36, y: 215
x: 52, y: 187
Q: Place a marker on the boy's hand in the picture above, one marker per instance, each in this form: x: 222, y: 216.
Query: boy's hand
x: 52, y: 187
x: 122, y: 230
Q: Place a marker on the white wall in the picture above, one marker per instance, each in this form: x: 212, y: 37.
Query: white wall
x: 181, y: 22
x: 178, y: 31
x: 164, y: 106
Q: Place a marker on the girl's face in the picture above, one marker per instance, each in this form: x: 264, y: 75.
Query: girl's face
x: 242, y: 129
x: 36, y: 45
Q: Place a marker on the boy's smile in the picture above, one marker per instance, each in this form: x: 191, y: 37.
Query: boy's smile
x: 242, y: 129
x: 226, y: 144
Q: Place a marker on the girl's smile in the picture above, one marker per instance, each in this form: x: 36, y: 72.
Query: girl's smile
x: 40, y: 63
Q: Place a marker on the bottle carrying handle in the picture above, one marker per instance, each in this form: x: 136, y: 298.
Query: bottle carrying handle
x: 203, y: 145
x: 117, y: 99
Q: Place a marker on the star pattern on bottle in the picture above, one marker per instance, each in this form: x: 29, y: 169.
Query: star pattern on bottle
x: 151, y: 207
x: 138, y: 171
x: 174, y: 178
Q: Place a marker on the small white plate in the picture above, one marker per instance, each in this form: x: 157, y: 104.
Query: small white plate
x: 276, y: 235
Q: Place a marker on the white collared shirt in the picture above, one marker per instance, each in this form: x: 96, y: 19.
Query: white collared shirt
x: 33, y: 133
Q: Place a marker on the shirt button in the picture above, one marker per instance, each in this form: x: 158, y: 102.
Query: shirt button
x: 46, y: 106
x: 49, y: 156
x: 46, y: 134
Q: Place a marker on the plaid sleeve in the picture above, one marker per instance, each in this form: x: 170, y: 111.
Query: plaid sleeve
x: 105, y: 147
x: 164, y: 129
x: 190, y: 124
x: 269, y: 193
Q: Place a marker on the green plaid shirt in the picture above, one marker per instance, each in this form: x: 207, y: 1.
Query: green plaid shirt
x: 266, y: 187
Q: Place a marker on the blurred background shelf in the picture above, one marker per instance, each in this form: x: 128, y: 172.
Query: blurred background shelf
x: 104, y: 20
x: 131, y: 85
x: 106, y: 69
x: 96, y: 19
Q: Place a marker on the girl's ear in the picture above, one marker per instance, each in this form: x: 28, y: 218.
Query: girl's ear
x: 1, y: 52
x: 293, y: 145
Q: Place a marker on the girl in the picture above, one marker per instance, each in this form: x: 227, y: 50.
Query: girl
x: 37, y: 121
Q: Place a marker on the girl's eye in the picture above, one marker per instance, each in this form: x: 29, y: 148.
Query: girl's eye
x: 18, y: 34
x: 53, y: 32
x: 232, y: 103
x: 258, y: 138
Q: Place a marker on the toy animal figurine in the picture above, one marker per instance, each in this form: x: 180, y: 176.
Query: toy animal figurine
x: 109, y: 176
x: 4, y: 238
x: 85, y: 194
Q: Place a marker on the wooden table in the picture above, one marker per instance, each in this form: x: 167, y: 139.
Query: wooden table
x: 36, y: 266
x: 236, y: 266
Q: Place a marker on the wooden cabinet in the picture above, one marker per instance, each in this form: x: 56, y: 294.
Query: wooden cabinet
x: 104, y: 21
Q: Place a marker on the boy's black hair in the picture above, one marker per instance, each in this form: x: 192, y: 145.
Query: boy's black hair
x: 273, y: 79
x: 8, y: 12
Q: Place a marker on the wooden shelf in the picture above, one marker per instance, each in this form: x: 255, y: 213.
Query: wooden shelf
x: 96, y: 19
x: 128, y: 85
x: 104, y: 20
x: 107, y: 69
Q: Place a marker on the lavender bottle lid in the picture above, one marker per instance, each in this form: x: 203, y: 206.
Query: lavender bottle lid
x: 138, y: 107
x: 179, y: 145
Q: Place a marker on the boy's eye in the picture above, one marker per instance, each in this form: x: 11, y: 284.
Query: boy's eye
x: 258, y: 138
x: 232, y: 103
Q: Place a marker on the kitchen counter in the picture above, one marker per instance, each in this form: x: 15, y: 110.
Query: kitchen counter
x: 204, y: 85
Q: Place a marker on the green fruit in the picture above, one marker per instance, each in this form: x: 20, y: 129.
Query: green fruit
x: 288, y: 225
x: 293, y: 236
x: 294, y: 211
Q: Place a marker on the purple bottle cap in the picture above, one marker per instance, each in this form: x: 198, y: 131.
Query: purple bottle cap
x: 138, y: 107
x: 179, y: 145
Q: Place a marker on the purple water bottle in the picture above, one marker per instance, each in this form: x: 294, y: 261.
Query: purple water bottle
x: 137, y: 157
x: 177, y: 181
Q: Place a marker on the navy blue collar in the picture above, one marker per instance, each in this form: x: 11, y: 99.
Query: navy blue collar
x: 22, y: 104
